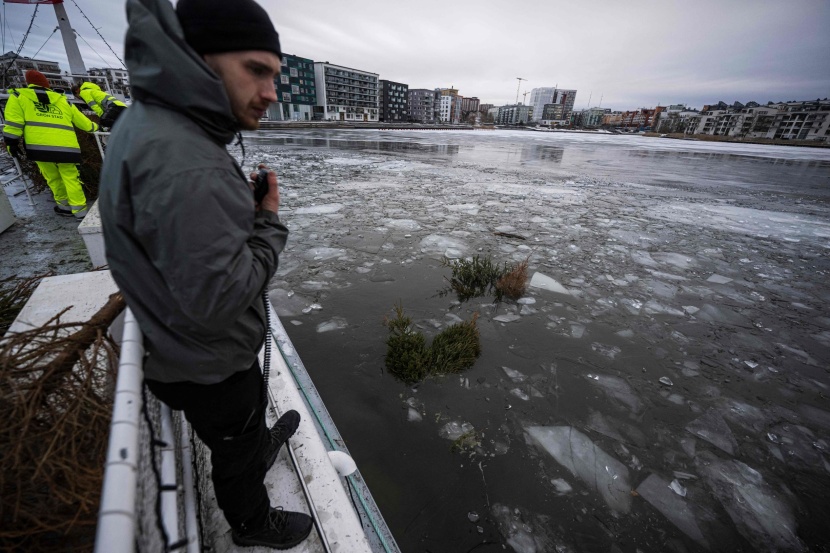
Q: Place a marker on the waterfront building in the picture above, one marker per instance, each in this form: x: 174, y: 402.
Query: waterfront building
x: 455, y: 103
x: 590, y: 118
x: 809, y: 120
x: 345, y: 94
x: 801, y: 121
x: 484, y: 108
x: 514, y: 114
x: 444, y: 104
x: 553, y: 114
x: 296, y: 90
x: 566, y: 98
x: 422, y: 105
x: 15, y: 68
x: 394, y: 101
x: 539, y: 98
x: 470, y: 104
x: 673, y: 119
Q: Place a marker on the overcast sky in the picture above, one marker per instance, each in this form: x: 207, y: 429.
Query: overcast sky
x: 626, y: 53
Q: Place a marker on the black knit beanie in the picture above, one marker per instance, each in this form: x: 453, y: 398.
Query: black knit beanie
x: 215, y: 26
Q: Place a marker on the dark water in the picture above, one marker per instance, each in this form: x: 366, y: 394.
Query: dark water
x: 704, y: 265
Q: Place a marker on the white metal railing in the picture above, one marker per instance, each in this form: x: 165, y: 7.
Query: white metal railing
x: 147, y: 503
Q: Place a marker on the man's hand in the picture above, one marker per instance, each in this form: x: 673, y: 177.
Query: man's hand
x: 271, y: 201
x: 13, y: 147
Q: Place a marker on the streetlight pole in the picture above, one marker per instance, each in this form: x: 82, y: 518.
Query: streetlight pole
x: 518, y: 87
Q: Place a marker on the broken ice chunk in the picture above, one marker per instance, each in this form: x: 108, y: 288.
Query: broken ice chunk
x: 412, y: 415
x: 514, y: 375
x: 547, y: 283
x: 454, y: 430
x: 718, y: 279
x: 677, y: 488
x: 507, y: 318
x: 618, y: 389
x: 712, y: 428
x: 337, y: 323
x: 760, y: 511
x: 666, y: 380
x: 585, y: 460
x: 655, y: 490
x: 520, y: 394
x: 561, y: 486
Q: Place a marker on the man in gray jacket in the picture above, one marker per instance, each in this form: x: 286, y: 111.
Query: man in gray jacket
x: 188, y: 248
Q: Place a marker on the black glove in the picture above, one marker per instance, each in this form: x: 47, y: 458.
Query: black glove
x: 13, y: 146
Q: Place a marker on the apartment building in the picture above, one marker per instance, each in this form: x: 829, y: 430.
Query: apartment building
x: 345, y: 94
x: 553, y: 114
x: 801, y: 121
x: 469, y: 105
x: 808, y: 120
x: 444, y: 105
x: 567, y: 98
x: 296, y: 89
x: 422, y: 105
x: 675, y: 118
x: 394, y: 101
x: 455, y: 104
x: 15, y: 68
x: 513, y: 114
x: 590, y: 118
x: 539, y: 98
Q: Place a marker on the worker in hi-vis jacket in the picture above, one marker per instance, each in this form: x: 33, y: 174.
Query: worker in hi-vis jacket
x: 105, y: 106
x: 46, y: 122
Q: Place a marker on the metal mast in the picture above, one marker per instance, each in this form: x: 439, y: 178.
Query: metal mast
x: 73, y: 54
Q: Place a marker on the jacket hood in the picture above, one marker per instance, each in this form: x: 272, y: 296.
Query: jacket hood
x: 90, y: 86
x: 165, y: 71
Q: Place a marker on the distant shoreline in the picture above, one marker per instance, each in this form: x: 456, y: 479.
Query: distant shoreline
x: 274, y: 125
x: 732, y: 139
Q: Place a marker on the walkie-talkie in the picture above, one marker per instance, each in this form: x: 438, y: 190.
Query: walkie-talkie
x: 261, y: 185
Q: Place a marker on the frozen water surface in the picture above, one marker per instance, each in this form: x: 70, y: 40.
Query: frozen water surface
x: 576, y: 452
x: 702, y: 263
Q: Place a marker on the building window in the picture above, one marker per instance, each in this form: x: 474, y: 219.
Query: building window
x: 284, y: 79
x: 286, y: 97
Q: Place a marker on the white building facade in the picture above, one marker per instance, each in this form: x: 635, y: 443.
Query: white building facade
x: 345, y: 94
x: 538, y: 98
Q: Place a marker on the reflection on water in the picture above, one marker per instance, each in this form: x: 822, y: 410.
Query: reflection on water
x: 361, y: 145
x: 693, y: 164
x: 535, y: 152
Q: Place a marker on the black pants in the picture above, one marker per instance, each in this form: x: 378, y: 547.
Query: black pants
x: 229, y: 417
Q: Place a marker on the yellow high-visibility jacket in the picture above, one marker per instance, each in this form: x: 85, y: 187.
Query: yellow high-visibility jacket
x: 46, y: 122
x: 97, y: 99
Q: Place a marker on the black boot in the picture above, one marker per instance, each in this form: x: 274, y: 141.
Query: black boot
x: 282, y: 530
x: 283, y: 429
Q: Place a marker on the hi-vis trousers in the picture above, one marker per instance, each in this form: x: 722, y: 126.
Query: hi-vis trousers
x: 65, y: 182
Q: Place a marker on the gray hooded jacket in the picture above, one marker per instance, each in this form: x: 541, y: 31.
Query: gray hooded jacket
x: 183, y: 243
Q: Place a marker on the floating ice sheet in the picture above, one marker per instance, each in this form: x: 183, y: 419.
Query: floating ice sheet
x: 576, y: 452
x: 712, y: 428
x: 618, y: 389
x: 762, y: 514
x: 662, y: 497
x: 545, y: 282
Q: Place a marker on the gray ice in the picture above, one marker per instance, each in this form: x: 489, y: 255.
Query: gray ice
x: 455, y: 429
x: 763, y: 514
x: 544, y: 282
x: 618, y: 389
x: 712, y: 428
x: 514, y: 375
x: 658, y: 492
x: 576, y: 452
